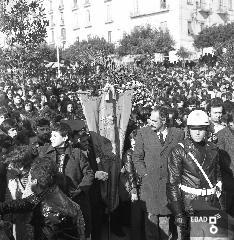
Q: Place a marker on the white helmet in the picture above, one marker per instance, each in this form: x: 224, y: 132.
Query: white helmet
x: 198, y: 118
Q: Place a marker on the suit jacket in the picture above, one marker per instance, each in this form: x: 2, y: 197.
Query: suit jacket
x: 150, y: 158
x: 226, y: 145
x: 79, y: 175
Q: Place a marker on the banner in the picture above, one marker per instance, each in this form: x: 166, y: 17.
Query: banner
x: 107, y: 118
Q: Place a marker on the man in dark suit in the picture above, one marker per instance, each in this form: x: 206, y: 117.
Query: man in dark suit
x: 153, y: 145
x: 225, y: 144
x: 76, y: 175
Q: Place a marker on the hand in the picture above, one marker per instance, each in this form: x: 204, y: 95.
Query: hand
x: 134, y: 197
x: 180, y: 221
x: 101, y: 175
x: 178, y: 121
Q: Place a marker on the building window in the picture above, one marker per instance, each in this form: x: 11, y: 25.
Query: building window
x: 52, y: 36
x: 61, y: 19
x: 163, y: 26
x: 230, y: 4
x: 163, y: 4
x: 88, y: 19
x: 51, y: 5
x: 190, y: 2
x: 74, y: 3
x: 109, y: 36
x: 61, y: 4
x: 202, y: 26
x: 76, y: 20
x: 108, y: 13
x: 86, y: 2
x: 51, y: 20
x: 135, y: 7
x: 190, y: 30
x: 220, y: 3
x: 63, y: 34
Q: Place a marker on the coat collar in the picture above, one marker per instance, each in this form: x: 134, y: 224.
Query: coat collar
x: 68, y: 149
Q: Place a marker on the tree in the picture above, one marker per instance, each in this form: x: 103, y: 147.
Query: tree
x: 225, y: 54
x: 213, y: 36
x: 24, y: 25
x: 87, y: 51
x: 145, y: 40
x: 183, y: 53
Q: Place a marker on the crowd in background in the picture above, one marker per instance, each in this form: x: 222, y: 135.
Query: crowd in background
x: 29, y: 107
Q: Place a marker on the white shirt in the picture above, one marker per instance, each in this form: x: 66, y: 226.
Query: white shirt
x: 164, y: 133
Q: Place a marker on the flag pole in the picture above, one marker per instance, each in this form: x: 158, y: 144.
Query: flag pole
x: 58, y: 61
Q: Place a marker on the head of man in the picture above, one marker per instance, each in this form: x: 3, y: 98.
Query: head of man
x: 230, y: 120
x: 9, y: 126
x: 158, y: 118
x: 42, y: 174
x: 198, y: 122
x: 216, y: 110
x: 70, y: 107
x: 3, y: 114
x: 60, y: 134
x: 17, y: 99
x: 28, y: 106
x: 43, y: 130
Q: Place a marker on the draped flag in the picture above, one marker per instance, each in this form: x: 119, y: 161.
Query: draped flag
x: 107, y: 118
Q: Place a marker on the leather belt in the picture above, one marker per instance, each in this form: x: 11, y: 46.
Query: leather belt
x: 198, y: 192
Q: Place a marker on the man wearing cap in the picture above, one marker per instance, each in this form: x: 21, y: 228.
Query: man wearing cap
x: 193, y: 172
x: 153, y: 145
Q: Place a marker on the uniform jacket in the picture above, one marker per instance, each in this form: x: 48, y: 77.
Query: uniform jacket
x: 55, y: 215
x: 183, y: 170
x: 150, y: 158
x: 79, y: 175
x: 226, y: 145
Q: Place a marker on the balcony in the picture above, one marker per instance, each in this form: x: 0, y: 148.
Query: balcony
x: 222, y: 10
x: 203, y: 7
x: 135, y: 14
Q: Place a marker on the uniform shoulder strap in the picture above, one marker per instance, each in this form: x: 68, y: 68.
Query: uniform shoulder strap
x: 199, y: 166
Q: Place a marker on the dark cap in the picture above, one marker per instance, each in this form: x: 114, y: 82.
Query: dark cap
x: 75, y: 125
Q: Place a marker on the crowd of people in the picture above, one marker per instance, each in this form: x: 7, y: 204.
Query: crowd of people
x: 50, y: 179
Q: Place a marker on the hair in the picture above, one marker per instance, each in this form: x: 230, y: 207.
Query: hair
x: 21, y: 156
x: 63, y: 128
x: 42, y: 122
x: 230, y: 116
x: 163, y: 112
x: 7, y: 124
x: 216, y: 102
x: 4, y: 111
x: 45, y: 171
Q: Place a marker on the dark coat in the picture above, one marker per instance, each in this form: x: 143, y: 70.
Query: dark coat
x: 183, y: 170
x: 226, y: 145
x: 150, y: 158
x: 55, y: 215
x: 76, y: 168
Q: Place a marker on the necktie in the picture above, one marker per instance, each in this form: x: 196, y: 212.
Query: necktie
x: 161, y: 138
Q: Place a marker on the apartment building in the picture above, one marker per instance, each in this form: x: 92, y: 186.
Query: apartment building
x: 72, y: 20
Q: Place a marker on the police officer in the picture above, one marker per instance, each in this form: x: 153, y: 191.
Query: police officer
x: 193, y: 173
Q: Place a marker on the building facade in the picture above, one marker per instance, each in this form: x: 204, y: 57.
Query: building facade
x: 72, y: 20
